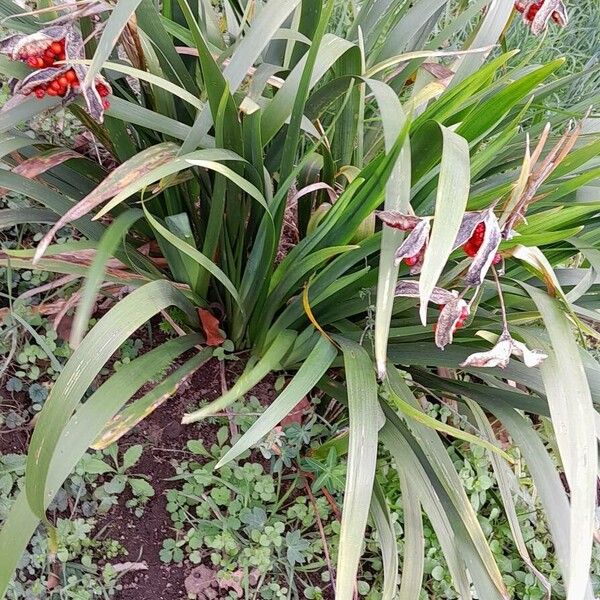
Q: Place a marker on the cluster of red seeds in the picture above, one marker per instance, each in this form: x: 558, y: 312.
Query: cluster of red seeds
x: 533, y: 11
x: 41, y: 55
x: 62, y: 83
x: 460, y: 323
x: 474, y: 243
x: 58, y: 86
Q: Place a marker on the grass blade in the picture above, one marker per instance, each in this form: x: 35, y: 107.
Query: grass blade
x: 312, y: 369
x: 113, y: 28
x: 269, y: 362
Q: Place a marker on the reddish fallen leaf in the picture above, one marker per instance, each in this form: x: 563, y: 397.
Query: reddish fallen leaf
x: 210, y: 325
x: 295, y: 416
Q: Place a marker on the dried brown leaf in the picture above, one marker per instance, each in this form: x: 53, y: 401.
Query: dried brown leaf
x: 118, y: 180
x: 398, y: 220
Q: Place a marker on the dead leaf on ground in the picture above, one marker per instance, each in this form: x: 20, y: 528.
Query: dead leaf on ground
x: 210, y: 325
x: 202, y: 583
x: 235, y: 579
x: 130, y: 566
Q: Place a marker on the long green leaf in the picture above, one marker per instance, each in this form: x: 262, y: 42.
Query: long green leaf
x: 419, y: 485
x: 397, y: 197
x: 105, y: 249
x: 506, y: 485
x: 422, y: 417
x: 292, y: 138
x: 250, y: 47
x: 433, y: 448
x: 414, y: 541
x: 382, y: 519
x: 573, y: 414
x: 139, y: 409
x: 450, y: 204
x: 136, y: 182
x: 20, y: 216
x: 548, y: 484
x: 365, y: 421
x: 196, y: 255
x: 156, y: 80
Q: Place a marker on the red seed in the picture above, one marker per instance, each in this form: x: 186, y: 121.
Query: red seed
x: 533, y: 11
x: 519, y: 6
x: 71, y: 76
x: 56, y: 48
x: 32, y: 61
x: 102, y: 90
x: 64, y: 82
x: 61, y: 56
x: 39, y: 92
x: 51, y: 92
x: 105, y: 104
x: 411, y: 261
x: 470, y: 249
x: 54, y: 85
x: 49, y: 53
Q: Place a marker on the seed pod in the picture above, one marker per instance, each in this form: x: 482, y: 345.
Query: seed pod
x: 487, y: 251
x: 452, y: 313
x: 415, y: 242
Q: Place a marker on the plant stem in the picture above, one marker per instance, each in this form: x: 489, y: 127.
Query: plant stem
x: 501, y: 297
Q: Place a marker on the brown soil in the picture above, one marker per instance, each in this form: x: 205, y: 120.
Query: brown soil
x: 164, y: 440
